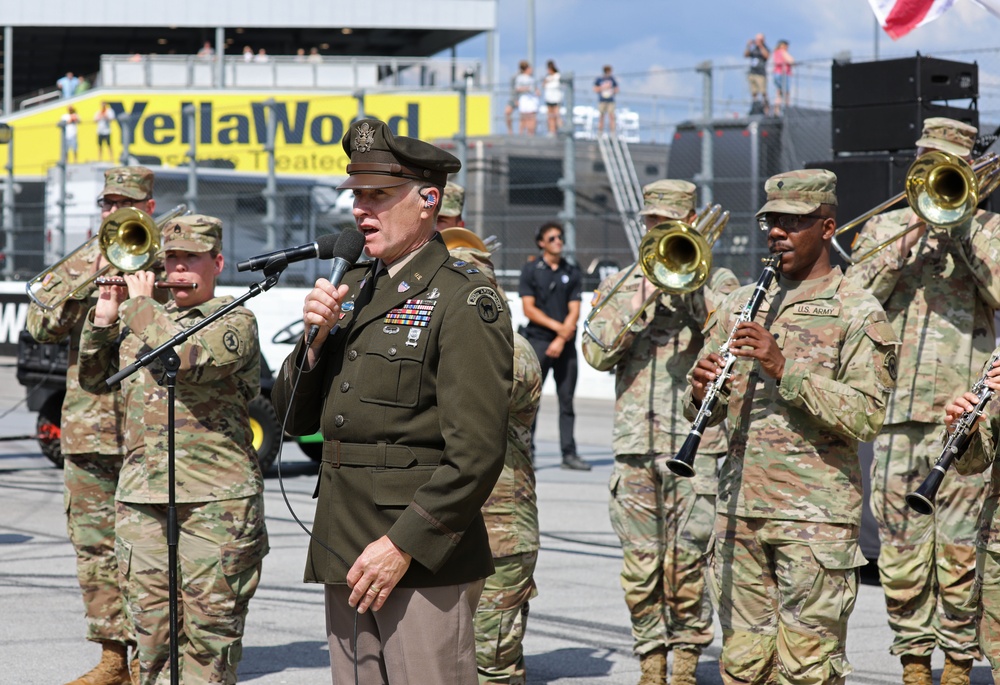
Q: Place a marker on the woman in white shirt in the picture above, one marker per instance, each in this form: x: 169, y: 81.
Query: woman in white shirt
x: 553, y: 95
x: 527, y: 98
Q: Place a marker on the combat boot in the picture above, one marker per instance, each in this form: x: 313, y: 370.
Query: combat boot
x: 685, y: 665
x: 112, y: 668
x: 956, y: 672
x: 917, y: 670
x: 653, y: 667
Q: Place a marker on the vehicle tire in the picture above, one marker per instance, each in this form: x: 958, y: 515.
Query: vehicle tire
x: 313, y: 450
x: 49, y: 433
x: 266, y: 431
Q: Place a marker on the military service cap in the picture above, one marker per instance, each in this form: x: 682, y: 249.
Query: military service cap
x: 133, y: 182
x: 669, y: 198
x: 192, y: 233
x: 949, y: 135
x: 799, y: 192
x: 381, y: 160
x: 453, y: 200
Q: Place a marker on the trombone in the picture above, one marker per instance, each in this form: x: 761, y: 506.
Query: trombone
x: 675, y: 256
x: 128, y: 238
x: 941, y: 188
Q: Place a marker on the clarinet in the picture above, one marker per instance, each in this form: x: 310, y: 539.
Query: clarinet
x: 922, y: 499
x: 683, y: 463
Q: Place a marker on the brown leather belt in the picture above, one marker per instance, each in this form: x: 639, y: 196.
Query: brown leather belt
x: 379, y: 455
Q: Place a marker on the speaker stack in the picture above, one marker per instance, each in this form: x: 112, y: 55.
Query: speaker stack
x: 878, y: 114
x: 880, y: 106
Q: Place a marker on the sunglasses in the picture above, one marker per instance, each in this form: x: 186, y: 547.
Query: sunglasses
x: 553, y: 238
x: 787, y: 222
x: 110, y: 204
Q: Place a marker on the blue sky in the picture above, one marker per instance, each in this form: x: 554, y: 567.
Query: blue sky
x: 648, y: 40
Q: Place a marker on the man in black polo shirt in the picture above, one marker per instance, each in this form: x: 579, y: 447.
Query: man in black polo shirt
x: 550, y: 294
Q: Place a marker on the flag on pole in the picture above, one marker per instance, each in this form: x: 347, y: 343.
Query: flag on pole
x: 899, y: 17
x: 992, y: 6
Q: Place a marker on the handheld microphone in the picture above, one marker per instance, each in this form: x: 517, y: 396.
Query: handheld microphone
x: 345, y: 253
x: 323, y: 248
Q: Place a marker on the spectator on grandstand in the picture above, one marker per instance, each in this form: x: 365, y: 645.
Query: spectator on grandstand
x: 83, y: 86
x: 68, y: 122
x: 300, y: 55
x: 314, y: 56
x: 782, y: 66
x: 606, y: 88
x: 247, y: 53
x: 206, y: 51
x: 67, y: 84
x: 104, y: 116
x: 758, y: 52
x: 262, y: 56
x: 553, y: 95
x: 527, y: 98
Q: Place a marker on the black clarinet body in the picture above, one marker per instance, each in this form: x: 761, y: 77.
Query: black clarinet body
x: 683, y: 463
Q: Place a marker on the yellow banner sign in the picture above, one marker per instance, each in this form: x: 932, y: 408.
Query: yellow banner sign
x: 233, y: 127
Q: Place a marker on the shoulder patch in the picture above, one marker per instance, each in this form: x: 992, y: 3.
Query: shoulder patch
x: 231, y: 340
x: 487, y: 302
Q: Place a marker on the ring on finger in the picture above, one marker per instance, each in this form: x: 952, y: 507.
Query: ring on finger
x: 374, y: 590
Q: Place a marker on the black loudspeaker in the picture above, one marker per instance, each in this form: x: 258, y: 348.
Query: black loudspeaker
x: 889, y: 127
x: 897, y: 81
x: 864, y: 182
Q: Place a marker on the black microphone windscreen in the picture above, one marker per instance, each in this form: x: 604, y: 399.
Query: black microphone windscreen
x: 326, y: 246
x: 349, y: 245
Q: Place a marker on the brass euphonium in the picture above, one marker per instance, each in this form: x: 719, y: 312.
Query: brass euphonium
x: 675, y: 256
x: 128, y: 238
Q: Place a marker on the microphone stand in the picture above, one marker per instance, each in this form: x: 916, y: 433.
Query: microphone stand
x: 171, y: 363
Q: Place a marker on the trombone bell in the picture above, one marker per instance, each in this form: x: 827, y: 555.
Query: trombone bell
x: 128, y: 238
x: 675, y: 257
x: 942, y: 189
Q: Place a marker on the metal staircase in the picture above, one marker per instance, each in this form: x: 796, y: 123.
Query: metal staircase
x: 624, y: 185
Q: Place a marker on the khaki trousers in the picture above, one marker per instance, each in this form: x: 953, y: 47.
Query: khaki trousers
x: 419, y: 636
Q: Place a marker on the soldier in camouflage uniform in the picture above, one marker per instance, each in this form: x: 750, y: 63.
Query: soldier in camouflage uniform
x: 664, y: 522
x: 450, y: 215
x: 220, y: 506
x: 511, y: 516
x: 939, y: 288
x: 981, y: 455
x: 811, y: 380
x: 91, y: 438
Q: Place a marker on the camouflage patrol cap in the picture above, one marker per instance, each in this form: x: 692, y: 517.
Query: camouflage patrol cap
x: 949, y: 135
x: 381, y: 160
x: 799, y: 192
x: 192, y: 233
x: 133, y: 182
x: 667, y: 197
x: 453, y: 200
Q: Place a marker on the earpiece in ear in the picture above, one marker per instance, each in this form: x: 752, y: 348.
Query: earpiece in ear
x: 431, y: 200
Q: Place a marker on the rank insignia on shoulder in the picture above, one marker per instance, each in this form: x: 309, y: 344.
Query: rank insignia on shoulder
x: 472, y: 271
x: 231, y: 340
x: 459, y: 264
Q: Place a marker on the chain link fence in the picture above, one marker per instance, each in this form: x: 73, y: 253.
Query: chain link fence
x: 514, y: 183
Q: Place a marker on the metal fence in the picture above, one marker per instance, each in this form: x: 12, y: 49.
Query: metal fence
x: 514, y: 182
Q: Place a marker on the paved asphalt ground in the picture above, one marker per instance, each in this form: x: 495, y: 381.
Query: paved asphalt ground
x: 578, y: 630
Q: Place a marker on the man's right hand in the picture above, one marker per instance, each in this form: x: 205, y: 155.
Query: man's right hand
x: 322, y: 308
x: 704, y: 373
